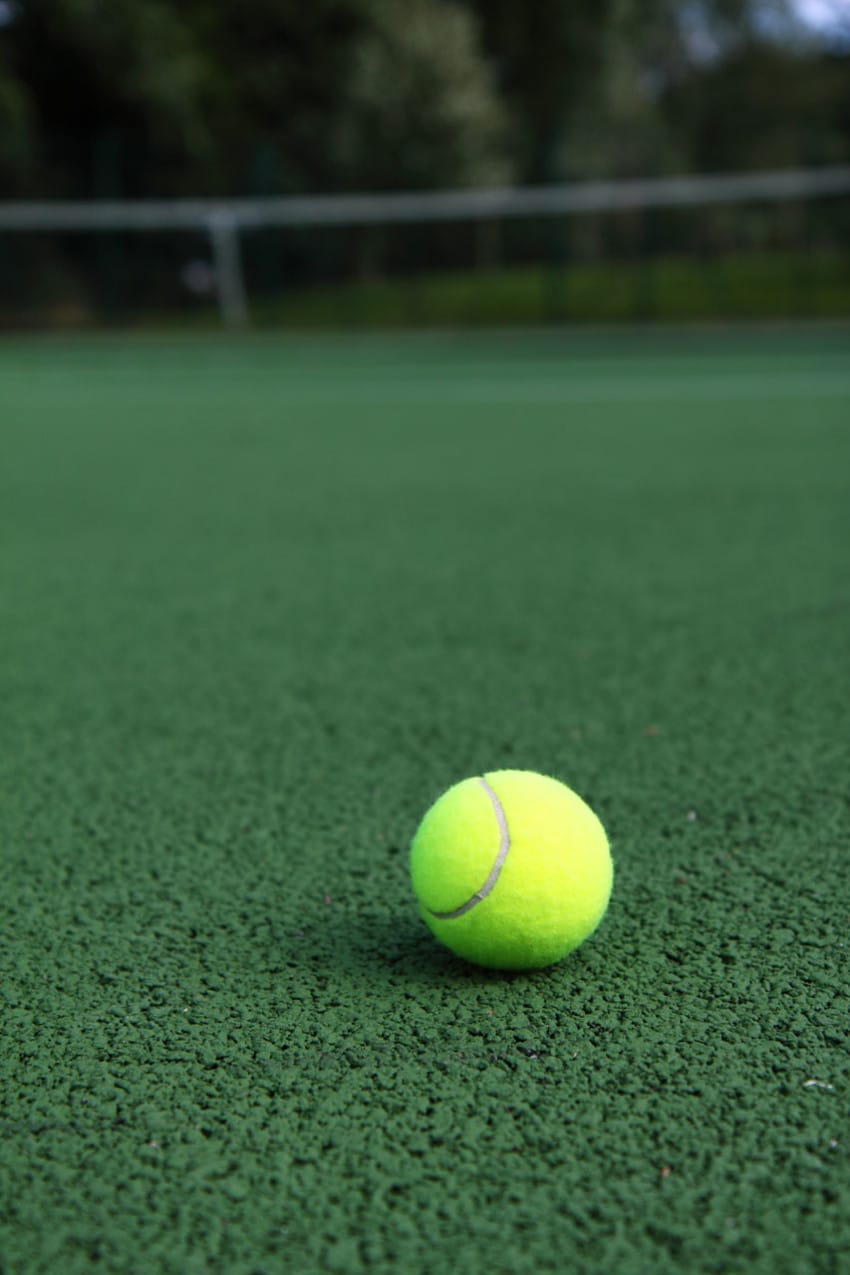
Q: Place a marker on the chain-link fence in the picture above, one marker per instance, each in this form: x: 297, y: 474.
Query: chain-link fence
x: 765, y: 244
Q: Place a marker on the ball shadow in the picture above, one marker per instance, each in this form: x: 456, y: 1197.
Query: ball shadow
x: 386, y: 947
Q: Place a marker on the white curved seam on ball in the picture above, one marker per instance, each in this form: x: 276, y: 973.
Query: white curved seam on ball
x: 504, y: 847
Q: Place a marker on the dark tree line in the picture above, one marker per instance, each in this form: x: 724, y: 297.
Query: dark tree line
x: 109, y: 97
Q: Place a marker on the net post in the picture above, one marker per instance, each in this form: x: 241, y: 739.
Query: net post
x: 223, y: 230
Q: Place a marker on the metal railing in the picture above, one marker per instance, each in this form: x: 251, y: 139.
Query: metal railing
x: 223, y: 219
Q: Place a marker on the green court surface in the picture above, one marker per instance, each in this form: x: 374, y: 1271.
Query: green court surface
x: 262, y: 601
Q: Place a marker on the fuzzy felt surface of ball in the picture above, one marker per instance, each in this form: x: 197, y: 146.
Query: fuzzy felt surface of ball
x: 511, y: 869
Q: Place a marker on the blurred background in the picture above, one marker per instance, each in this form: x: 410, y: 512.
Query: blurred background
x: 195, y: 162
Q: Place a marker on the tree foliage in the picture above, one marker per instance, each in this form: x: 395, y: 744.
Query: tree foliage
x: 420, y: 103
x: 274, y: 95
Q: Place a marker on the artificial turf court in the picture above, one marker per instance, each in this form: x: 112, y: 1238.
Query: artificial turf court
x: 262, y: 600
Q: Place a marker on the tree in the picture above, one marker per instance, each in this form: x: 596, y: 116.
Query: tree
x: 419, y: 103
x: 545, y: 53
x: 17, y: 133
x: 765, y: 106
x: 198, y: 97
x: 83, y: 69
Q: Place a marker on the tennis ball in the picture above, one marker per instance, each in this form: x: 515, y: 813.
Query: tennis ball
x: 511, y: 870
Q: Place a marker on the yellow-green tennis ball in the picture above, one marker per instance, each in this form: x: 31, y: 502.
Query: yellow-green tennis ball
x: 511, y: 869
